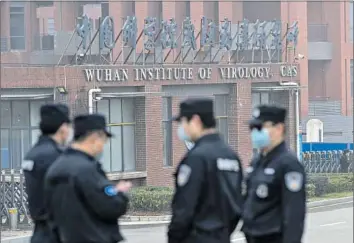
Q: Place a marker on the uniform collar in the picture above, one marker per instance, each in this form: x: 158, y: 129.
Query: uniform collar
x: 280, y: 147
x: 208, y: 138
x: 80, y: 153
x: 47, y: 139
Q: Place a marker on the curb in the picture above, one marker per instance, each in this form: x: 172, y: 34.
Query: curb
x: 135, y: 222
x: 329, y: 202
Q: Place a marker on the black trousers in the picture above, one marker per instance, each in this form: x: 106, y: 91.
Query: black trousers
x: 264, y: 239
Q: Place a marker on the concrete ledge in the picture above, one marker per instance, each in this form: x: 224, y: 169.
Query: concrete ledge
x: 135, y: 222
x: 128, y: 218
x: 329, y: 202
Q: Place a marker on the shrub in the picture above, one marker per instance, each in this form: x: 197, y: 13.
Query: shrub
x: 330, y: 183
x: 151, y: 199
x: 310, y: 190
x: 320, y: 182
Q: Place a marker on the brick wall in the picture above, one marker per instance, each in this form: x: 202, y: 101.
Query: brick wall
x: 149, y: 129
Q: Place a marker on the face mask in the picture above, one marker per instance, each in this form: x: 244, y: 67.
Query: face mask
x: 99, y: 156
x: 70, y: 137
x: 182, y: 134
x: 260, y: 138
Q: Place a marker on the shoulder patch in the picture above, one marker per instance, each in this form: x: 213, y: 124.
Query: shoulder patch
x: 110, y: 191
x: 227, y: 165
x: 269, y: 171
x: 27, y: 165
x: 294, y: 181
x: 184, y: 173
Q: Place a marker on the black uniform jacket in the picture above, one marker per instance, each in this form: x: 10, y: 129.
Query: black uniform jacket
x: 276, y: 198
x: 207, y: 203
x: 35, y: 165
x: 82, y: 200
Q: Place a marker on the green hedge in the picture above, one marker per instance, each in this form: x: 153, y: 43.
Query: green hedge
x: 158, y: 199
x: 151, y: 199
x: 329, y: 183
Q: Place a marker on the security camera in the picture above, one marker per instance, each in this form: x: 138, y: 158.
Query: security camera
x: 299, y: 57
x: 98, y: 98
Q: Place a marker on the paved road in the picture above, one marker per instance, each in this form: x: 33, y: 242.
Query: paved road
x: 321, y: 227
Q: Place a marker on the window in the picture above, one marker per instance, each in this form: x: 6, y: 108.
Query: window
x: 188, y: 8
x: 19, y: 130
x: 167, y: 131
x: 51, y: 27
x: 260, y: 98
x: 5, y: 149
x: 17, y: 28
x: 221, y: 112
x: 119, y: 153
x: 352, y: 77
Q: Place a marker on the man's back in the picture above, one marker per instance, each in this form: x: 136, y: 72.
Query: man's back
x: 218, y: 199
x: 81, y: 208
x: 35, y: 165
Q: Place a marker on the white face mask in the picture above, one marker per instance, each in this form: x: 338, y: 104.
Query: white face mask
x: 70, y: 137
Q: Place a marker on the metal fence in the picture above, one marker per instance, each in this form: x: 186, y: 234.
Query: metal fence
x: 327, y: 162
x: 13, y: 194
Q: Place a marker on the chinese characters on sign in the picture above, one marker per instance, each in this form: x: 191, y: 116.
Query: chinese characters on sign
x: 264, y: 36
x: 176, y: 73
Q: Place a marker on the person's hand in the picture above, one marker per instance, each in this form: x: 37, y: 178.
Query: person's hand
x: 123, y: 186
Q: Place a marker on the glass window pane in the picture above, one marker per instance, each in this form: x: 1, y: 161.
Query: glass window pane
x: 20, y: 113
x: 116, y: 145
x: 264, y: 98
x: 256, y: 99
x: 5, y: 115
x: 35, y: 133
x: 128, y: 110
x: 17, y: 25
x: 17, y: 43
x: 106, y: 159
x: 5, y: 149
x: 115, y: 111
x: 223, y: 128
x: 103, y: 108
x: 35, y: 107
x: 129, y: 148
x: 20, y: 146
x: 167, y: 143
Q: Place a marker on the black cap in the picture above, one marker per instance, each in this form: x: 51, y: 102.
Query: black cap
x: 265, y: 113
x: 202, y: 107
x: 84, y: 124
x: 52, y: 117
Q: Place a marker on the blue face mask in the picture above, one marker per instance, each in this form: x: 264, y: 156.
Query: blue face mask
x: 260, y: 138
x: 182, y: 134
x: 99, y: 157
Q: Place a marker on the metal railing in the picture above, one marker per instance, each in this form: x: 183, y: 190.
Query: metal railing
x: 317, y: 32
x: 327, y: 162
x: 13, y: 194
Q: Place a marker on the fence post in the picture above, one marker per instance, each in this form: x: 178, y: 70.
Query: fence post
x: 13, y: 213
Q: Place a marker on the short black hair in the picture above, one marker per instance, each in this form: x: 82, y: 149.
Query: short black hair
x: 207, y: 121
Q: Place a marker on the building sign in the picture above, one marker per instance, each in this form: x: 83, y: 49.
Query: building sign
x: 288, y: 71
x: 178, y: 73
x: 157, y: 35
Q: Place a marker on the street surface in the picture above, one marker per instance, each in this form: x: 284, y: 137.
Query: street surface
x: 322, y: 226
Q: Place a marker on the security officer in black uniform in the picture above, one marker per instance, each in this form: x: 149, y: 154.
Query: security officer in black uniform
x: 56, y: 130
x: 85, y: 205
x: 275, y: 204
x: 207, y: 203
